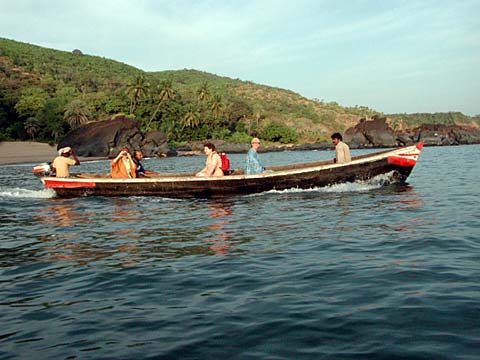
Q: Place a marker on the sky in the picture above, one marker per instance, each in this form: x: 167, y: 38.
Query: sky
x: 392, y: 56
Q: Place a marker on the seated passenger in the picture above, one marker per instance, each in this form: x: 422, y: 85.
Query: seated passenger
x: 123, y: 166
x: 61, y: 164
x: 213, y: 165
x: 141, y: 172
x: 253, y: 165
x: 342, y: 151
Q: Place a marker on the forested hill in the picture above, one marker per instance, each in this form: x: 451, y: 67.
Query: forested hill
x: 44, y: 93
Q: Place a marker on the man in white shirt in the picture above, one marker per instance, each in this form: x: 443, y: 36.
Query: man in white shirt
x: 342, y: 151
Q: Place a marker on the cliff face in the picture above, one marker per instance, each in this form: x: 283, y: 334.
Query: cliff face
x: 373, y: 133
x: 378, y: 133
x: 440, y: 135
x: 106, y: 138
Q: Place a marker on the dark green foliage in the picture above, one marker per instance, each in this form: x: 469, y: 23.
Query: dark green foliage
x: 277, y: 132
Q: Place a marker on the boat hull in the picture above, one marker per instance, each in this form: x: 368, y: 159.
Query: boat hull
x: 399, y: 163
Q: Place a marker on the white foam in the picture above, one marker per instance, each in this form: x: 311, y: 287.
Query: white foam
x: 157, y: 199
x: 357, y: 186
x: 27, y: 193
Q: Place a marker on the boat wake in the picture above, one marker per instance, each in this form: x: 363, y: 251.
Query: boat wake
x: 27, y: 193
x: 358, y: 186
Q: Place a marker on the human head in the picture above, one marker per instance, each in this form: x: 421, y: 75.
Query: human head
x: 66, y: 151
x: 208, y: 148
x: 336, y: 138
x: 138, y: 154
x: 255, y: 143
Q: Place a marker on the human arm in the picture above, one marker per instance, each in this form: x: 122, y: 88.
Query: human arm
x: 77, y: 162
x: 120, y: 155
x: 202, y: 172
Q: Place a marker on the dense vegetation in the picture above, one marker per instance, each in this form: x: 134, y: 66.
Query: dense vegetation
x: 44, y: 93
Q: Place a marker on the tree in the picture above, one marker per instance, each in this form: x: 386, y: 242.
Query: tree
x: 203, y: 93
x: 166, y: 93
x: 191, y: 118
x: 77, y: 113
x: 275, y: 131
x: 32, y: 126
x: 136, y: 90
x: 216, y: 106
x: 31, y: 102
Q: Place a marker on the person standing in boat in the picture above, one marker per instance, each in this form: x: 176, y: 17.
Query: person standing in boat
x: 342, y: 151
x: 254, y: 165
x: 61, y: 164
x: 213, y: 165
x: 123, y: 166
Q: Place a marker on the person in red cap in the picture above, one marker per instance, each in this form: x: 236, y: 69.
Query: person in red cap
x: 61, y: 164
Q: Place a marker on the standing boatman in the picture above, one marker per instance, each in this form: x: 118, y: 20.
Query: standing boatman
x: 342, y: 151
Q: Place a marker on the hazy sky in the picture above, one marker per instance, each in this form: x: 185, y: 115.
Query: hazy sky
x: 392, y: 56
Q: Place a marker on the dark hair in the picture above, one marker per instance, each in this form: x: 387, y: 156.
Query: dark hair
x: 337, y: 136
x: 209, y: 145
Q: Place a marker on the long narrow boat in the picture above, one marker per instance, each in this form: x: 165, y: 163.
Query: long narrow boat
x: 398, y: 163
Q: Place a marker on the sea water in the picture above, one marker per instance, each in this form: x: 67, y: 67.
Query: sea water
x: 350, y: 271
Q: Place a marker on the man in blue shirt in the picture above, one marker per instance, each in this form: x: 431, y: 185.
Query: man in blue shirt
x: 254, y: 166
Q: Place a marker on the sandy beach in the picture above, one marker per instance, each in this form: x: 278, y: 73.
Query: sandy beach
x: 24, y: 152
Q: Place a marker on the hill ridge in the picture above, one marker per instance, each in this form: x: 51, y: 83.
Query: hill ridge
x: 45, y: 92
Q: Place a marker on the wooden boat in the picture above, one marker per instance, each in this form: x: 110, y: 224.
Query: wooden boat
x: 398, y: 163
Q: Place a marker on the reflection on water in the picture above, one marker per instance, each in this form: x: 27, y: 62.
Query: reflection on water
x: 60, y: 214
x: 127, y: 231
x: 77, y: 233
x: 406, y: 195
x: 221, y: 214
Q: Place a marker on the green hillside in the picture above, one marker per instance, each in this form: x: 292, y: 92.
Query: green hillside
x: 44, y: 93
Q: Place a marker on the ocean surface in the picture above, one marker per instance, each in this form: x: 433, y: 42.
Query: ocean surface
x: 351, y: 271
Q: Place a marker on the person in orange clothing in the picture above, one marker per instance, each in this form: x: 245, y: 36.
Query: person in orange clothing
x: 123, y: 166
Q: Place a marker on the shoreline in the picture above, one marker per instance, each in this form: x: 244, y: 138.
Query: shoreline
x: 26, y: 152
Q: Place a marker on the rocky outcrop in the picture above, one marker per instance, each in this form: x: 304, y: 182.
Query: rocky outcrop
x: 106, y: 138
x: 377, y: 133
x: 372, y: 133
x: 440, y: 134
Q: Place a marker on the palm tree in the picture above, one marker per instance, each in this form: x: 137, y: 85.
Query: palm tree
x: 76, y: 113
x: 166, y: 93
x: 136, y: 90
x: 31, y: 127
x: 203, y: 93
x: 56, y: 131
x: 216, y: 106
x: 191, y: 119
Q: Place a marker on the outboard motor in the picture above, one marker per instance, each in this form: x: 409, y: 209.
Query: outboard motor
x: 43, y: 169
